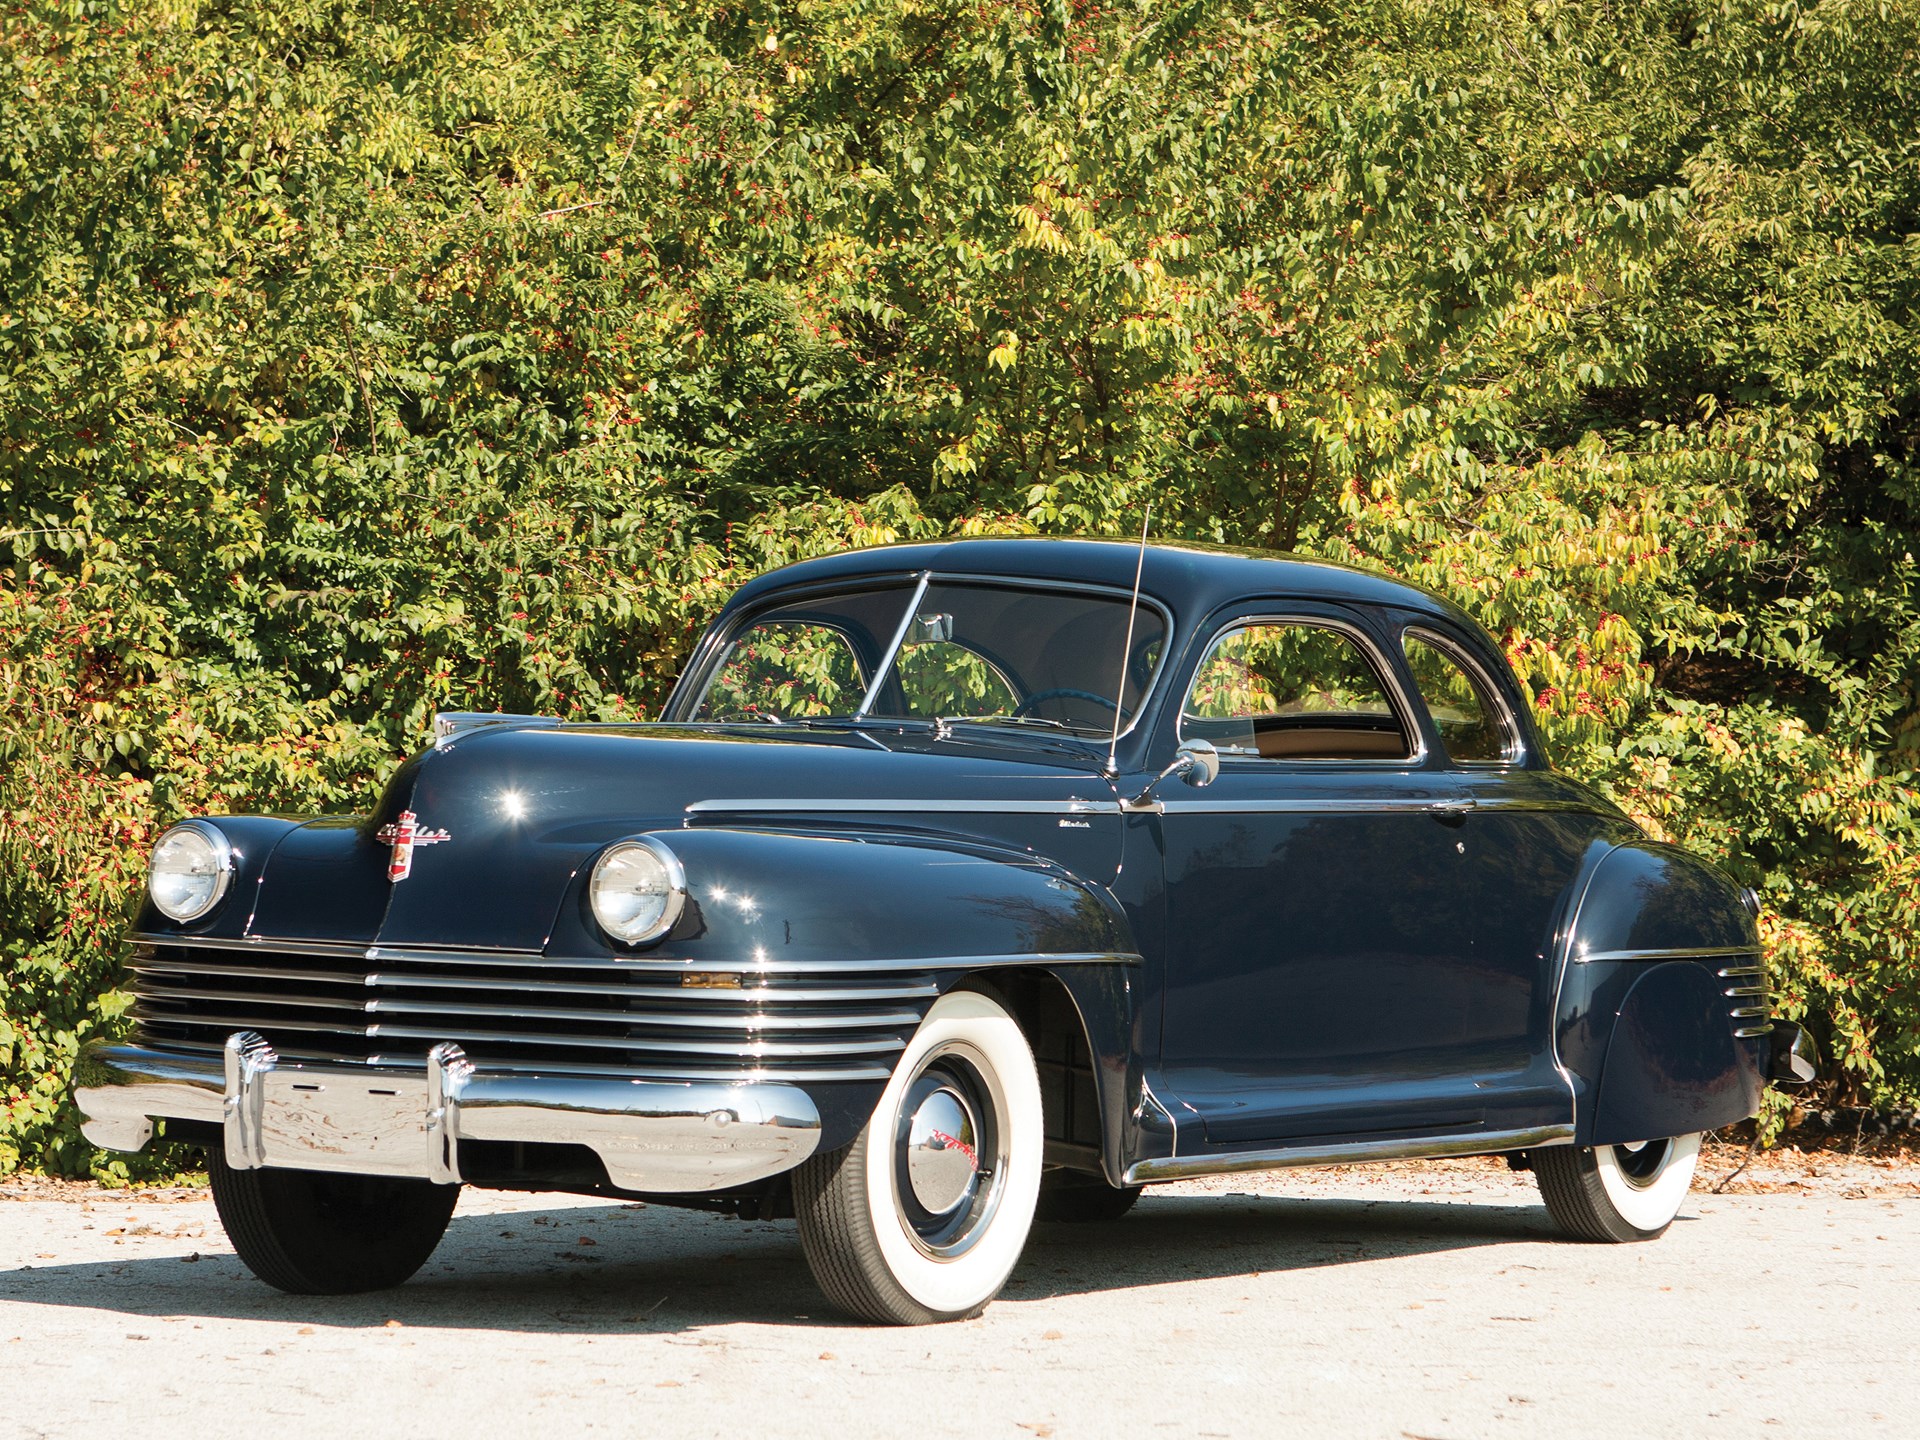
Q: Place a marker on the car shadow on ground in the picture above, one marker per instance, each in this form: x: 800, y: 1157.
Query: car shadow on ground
x: 650, y: 1269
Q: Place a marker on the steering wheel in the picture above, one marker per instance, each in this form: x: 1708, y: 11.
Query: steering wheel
x: 1026, y: 705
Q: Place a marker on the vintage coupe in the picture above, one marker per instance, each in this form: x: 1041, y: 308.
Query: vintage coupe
x: 960, y: 884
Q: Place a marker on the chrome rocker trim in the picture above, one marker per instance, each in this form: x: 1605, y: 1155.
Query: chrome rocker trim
x: 653, y: 1136
x: 1486, y: 1142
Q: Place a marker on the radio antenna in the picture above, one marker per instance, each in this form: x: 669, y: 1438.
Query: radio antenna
x: 1126, y: 650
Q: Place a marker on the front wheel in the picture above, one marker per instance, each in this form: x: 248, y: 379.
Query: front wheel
x: 923, y: 1216
x: 1616, y: 1192
x: 315, y: 1234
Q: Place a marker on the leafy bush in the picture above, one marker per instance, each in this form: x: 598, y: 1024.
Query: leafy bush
x: 358, y: 361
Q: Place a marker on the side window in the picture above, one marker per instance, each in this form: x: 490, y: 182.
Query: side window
x: 1292, y: 691
x: 1467, y: 718
x: 784, y: 670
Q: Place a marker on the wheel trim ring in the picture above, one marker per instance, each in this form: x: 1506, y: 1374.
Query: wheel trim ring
x: 973, y: 1221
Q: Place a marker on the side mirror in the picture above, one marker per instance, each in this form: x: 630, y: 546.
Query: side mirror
x: 1196, y: 762
x: 1202, y: 763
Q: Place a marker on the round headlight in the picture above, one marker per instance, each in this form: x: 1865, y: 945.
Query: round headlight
x: 636, y: 890
x: 191, y: 867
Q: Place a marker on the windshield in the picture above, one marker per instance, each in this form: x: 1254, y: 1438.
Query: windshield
x: 996, y: 653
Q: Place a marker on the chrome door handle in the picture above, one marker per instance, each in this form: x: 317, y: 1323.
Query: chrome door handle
x: 1453, y: 809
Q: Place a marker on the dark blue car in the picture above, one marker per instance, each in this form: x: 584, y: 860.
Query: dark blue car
x: 960, y: 885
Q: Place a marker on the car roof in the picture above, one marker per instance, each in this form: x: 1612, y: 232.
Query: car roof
x: 1191, y: 577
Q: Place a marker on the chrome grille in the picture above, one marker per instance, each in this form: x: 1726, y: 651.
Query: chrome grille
x: 649, y: 1019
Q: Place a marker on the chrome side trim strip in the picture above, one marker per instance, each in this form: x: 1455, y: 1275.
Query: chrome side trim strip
x: 1358, y: 805
x: 1352, y: 1152
x: 1684, y: 952
x: 787, y: 806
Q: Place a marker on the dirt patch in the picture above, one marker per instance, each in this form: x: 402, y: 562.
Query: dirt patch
x: 46, y: 1187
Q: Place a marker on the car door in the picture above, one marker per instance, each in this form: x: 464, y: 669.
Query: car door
x: 1525, y: 835
x: 1319, y: 949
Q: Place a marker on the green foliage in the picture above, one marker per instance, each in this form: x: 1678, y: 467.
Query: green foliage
x: 357, y: 361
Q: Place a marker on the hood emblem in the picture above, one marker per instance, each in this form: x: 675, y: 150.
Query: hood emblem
x: 403, y: 834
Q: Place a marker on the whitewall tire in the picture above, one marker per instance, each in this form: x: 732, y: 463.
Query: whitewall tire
x: 924, y: 1215
x: 1617, y: 1192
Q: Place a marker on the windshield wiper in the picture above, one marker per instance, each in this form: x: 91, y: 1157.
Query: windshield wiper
x: 1042, y: 722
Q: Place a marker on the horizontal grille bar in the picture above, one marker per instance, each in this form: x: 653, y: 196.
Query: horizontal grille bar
x: 513, y: 1011
x: 531, y: 961
x: 294, y: 1053
x: 213, y: 966
x: 665, y: 1018
x: 757, y: 995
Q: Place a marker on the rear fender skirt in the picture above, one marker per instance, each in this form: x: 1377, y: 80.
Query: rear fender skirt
x: 1673, y: 1065
x: 1646, y: 907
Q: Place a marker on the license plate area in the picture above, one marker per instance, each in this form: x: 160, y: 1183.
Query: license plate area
x: 343, y: 1124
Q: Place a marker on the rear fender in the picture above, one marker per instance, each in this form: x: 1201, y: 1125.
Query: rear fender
x: 1648, y: 1027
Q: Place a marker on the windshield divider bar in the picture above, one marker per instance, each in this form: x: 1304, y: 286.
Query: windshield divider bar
x: 893, y: 649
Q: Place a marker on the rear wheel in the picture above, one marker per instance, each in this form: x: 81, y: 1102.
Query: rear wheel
x: 1616, y: 1192
x: 310, y: 1233
x: 923, y: 1216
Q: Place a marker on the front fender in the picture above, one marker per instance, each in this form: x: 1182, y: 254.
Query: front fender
x: 892, y: 907
x: 767, y: 897
x: 1661, y: 977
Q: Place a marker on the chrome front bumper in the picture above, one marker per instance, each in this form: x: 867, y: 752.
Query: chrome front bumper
x: 662, y: 1137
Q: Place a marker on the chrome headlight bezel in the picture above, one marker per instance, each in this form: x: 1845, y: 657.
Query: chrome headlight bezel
x: 672, y: 872
x: 219, y: 848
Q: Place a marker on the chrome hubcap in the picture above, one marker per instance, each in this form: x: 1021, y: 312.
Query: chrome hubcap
x: 1641, y: 1162
x: 943, y: 1152
x: 949, y: 1152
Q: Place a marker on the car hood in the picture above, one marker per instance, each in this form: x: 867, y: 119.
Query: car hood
x: 507, y: 815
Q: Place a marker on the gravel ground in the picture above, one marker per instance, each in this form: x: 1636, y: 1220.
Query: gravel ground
x: 1408, y: 1300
